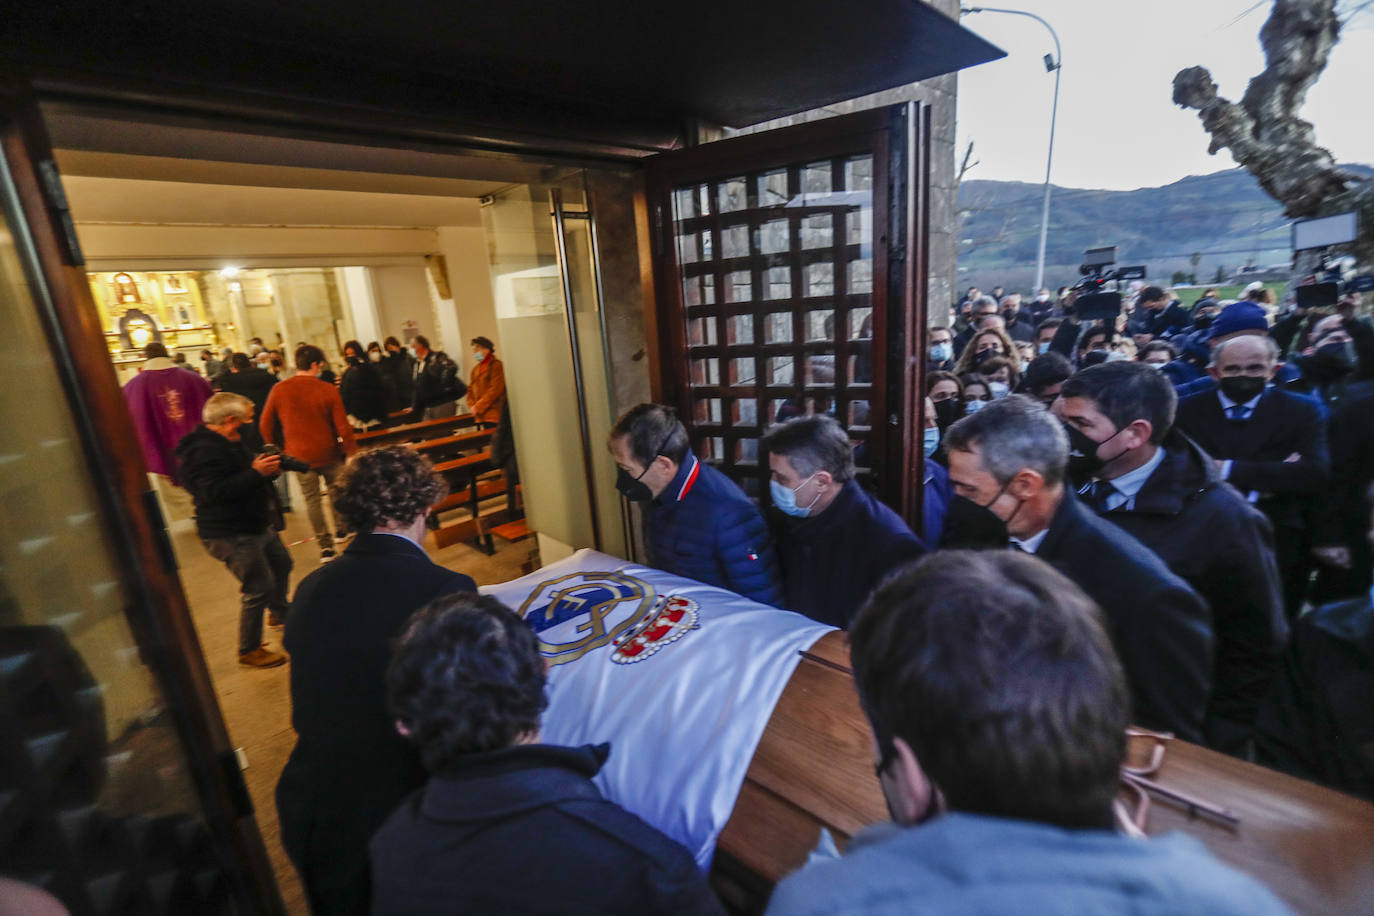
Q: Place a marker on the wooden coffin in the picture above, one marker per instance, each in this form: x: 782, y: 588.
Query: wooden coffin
x: 1312, y: 846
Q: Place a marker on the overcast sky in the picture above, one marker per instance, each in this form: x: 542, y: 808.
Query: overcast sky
x: 1117, y: 126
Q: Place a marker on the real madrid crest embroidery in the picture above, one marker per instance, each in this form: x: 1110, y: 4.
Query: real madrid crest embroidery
x: 581, y: 612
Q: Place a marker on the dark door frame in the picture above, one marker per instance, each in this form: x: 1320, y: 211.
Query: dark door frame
x: 158, y: 613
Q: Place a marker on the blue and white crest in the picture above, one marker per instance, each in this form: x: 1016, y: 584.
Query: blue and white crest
x: 581, y: 612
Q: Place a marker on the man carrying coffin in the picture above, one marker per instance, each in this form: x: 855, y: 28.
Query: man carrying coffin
x: 999, y: 713
x: 698, y: 523
x: 835, y: 540
x: 506, y: 823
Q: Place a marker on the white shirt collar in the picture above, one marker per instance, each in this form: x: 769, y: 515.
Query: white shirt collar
x: 159, y: 362
x: 1129, y: 484
x: 1032, y: 543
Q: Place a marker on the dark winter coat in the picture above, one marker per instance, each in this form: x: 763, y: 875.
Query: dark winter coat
x: 830, y: 562
x: 1282, y: 424
x: 1223, y: 547
x: 436, y: 381
x: 524, y: 830
x: 1161, y: 627
x: 1318, y: 722
x: 703, y: 527
x: 253, y: 383
x: 399, y: 369
x: 230, y: 497
x: 363, y: 395
x: 349, y: 768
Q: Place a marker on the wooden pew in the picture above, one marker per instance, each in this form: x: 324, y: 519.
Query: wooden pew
x: 1312, y: 846
x: 413, y: 432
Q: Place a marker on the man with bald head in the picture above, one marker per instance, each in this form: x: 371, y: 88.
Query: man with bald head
x: 1268, y: 443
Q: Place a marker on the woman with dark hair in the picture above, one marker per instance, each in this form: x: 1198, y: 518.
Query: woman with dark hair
x: 361, y: 388
x: 977, y: 392
x: 1002, y: 375
x: 946, y: 395
x: 487, y: 384
x: 349, y: 768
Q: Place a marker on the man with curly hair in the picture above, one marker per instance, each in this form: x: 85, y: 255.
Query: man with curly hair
x: 349, y: 768
x: 507, y: 824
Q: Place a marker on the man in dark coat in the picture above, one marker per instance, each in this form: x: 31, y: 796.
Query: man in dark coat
x: 247, y: 379
x: 349, y: 768
x: 1134, y: 470
x: 236, y: 515
x: 437, y: 386
x: 835, y: 541
x: 399, y: 367
x: 507, y: 824
x: 1342, y: 545
x: 1318, y: 722
x: 1269, y: 444
x: 1007, y: 461
x: 698, y: 523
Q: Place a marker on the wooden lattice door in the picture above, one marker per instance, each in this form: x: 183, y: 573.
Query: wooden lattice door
x: 782, y: 281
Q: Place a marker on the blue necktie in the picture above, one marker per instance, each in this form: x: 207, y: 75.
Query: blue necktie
x: 1238, y: 412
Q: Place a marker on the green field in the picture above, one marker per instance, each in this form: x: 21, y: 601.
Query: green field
x: 1190, y: 294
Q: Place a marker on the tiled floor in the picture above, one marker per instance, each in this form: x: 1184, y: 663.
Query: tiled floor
x: 257, y: 704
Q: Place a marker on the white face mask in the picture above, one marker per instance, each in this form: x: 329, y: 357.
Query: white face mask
x: 999, y: 389
x: 375, y: 356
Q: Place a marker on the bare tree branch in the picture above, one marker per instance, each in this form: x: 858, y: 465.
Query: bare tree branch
x: 1263, y: 131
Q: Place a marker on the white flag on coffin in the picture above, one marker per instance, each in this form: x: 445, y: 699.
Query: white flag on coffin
x: 680, y: 677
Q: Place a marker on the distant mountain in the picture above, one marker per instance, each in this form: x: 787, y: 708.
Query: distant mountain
x: 1225, y: 217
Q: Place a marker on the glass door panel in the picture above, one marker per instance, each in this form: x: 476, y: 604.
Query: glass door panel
x: 97, y: 801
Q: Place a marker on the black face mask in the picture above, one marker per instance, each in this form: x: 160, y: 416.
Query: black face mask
x: 633, y: 488
x: 947, y: 412
x: 1084, y: 462
x: 1242, y: 388
x: 1330, y: 361
x: 986, y: 353
x: 974, y: 526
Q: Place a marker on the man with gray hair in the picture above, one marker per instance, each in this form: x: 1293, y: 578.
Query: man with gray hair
x: 1268, y: 443
x: 237, y: 516
x: 835, y: 540
x: 1007, y: 464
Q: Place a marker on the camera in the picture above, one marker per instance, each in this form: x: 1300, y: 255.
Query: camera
x: 1095, y: 302
x: 288, y: 463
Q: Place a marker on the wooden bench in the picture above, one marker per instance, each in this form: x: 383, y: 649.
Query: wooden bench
x: 415, y: 432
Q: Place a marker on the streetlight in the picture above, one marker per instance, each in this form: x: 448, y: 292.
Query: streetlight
x: 1052, y: 63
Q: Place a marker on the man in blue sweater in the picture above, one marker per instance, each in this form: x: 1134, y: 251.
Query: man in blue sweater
x: 999, y: 714
x: 836, y: 541
x: 698, y: 523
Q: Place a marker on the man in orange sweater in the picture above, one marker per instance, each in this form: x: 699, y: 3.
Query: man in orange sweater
x: 306, y: 418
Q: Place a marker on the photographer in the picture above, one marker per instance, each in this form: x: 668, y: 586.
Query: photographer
x: 237, y: 516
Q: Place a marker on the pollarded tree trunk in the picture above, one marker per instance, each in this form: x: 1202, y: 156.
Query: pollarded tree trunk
x: 1265, y: 134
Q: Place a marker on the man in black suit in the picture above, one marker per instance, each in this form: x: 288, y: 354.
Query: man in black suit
x: 1134, y: 470
x: 1268, y: 443
x: 350, y: 768
x: 246, y: 379
x: 1007, y: 461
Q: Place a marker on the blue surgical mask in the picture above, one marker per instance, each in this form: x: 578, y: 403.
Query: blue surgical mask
x: 785, y: 498
x: 974, y: 406
x: 999, y: 390
x: 941, y: 352
x: 1042, y: 348
x: 931, y: 440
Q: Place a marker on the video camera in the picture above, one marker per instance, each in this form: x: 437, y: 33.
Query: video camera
x: 1095, y: 302
x: 288, y: 463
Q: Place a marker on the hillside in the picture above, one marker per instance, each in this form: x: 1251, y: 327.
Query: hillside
x: 1226, y: 217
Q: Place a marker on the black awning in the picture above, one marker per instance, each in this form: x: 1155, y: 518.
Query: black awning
x: 534, y: 64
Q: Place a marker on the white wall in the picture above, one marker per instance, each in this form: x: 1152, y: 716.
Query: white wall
x: 469, y: 277
x: 403, y: 295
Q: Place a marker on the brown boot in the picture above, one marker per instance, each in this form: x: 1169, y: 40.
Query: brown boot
x: 262, y: 658
x: 274, y: 621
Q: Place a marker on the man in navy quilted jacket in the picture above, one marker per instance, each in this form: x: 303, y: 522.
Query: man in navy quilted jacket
x: 698, y: 523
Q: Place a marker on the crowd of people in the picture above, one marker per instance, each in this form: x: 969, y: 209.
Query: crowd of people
x: 1159, y: 520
